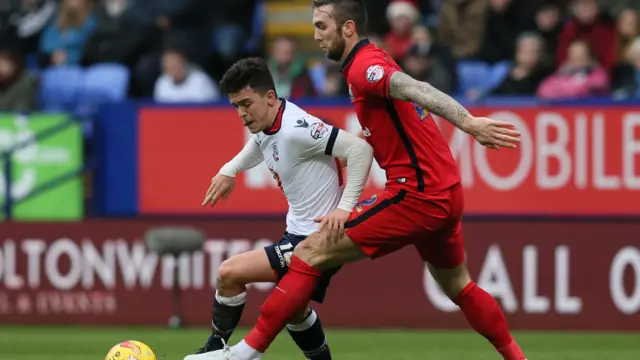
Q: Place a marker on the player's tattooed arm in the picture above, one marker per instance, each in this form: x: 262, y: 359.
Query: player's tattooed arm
x: 404, y: 87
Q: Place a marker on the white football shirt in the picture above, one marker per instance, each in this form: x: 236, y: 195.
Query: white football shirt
x: 297, y: 150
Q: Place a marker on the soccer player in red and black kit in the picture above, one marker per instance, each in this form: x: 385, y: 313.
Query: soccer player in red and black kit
x: 422, y: 202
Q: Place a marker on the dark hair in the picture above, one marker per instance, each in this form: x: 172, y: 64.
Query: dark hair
x: 170, y: 46
x: 548, y: 5
x: 345, y: 10
x: 250, y: 72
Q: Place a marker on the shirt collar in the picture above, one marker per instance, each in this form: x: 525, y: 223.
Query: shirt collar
x: 352, y: 54
x: 277, y: 123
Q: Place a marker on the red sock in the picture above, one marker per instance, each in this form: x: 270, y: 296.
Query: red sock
x: 289, y: 298
x: 486, y: 318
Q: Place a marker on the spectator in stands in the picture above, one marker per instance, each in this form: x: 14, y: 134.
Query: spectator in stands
x: 420, y: 65
x: 377, y: 16
x: 118, y: 37
x: 529, y: 68
x: 403, y: 16
x: 627, y: 26
x: 589, y: 23
x: 579, y: 76
x: 462, y: 26
x: 430, y: 10
x: 290, y: 72
x: 548, y: 23
x: 626, y: 75
x: 33, y: 17
x: 423, y: 39
x: 17, y: 86
x: 182, y: 82
x: 183, y: 22
x: 233, y: 19
x: 502, y: 26
x: 441, y: 54
x: 63, y: 41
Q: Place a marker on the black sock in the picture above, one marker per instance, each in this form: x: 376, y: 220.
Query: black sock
x: 227, y: 312
x: 310, y: 338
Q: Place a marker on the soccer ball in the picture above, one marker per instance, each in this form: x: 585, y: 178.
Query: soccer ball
x: 130, y: 350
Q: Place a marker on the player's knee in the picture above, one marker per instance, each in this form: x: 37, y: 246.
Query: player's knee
x: 228, y: 274
x: 453, y: 281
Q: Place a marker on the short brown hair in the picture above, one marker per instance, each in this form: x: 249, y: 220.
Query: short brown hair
x: 345, y: 10
x: 250, y: 72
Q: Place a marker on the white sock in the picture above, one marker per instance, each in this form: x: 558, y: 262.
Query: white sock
x: 305, y: 324
x: 245, y: 352
x: 233, y: 300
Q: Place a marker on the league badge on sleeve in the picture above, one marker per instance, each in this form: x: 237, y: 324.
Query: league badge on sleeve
x: 375, y: 73
x: 318, y: 130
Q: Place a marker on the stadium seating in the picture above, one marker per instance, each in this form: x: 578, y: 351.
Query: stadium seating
x: 102, y: 84
x: 105, y: 83
x: 60, y: 87
x: 478, y: 75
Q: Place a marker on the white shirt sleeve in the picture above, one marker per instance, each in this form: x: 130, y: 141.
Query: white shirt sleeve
x: 320, y: 138
x: 359, y: 156
x: 249, y: 157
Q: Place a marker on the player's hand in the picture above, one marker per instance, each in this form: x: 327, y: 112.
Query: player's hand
x: 334, y: 223
x: 221, y: 186
x: 493, y: 133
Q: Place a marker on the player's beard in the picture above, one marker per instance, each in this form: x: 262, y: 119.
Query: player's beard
x: 336, y: 52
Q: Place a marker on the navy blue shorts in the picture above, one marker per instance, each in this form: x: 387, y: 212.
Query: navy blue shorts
x: 279, y: 255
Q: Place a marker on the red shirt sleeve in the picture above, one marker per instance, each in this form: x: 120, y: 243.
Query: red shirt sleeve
x: 371, y: 76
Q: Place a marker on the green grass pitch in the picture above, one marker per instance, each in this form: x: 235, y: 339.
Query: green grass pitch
x: 89, y: 343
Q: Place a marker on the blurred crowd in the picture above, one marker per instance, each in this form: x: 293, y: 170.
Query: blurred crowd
x: 176, y: 51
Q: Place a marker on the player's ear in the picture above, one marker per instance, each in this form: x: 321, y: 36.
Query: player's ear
x: 272, y: 97
x: 349, y: 28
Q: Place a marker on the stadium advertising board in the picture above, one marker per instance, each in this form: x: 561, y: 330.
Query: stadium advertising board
x: 577, y: 161
x: 546, y: 275
x: 42, y: 161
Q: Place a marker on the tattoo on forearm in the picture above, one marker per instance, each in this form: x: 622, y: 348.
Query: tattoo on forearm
x: 404, y: 87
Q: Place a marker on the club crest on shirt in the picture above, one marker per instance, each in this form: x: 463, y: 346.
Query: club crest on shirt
x: 318, y: 130
x: 375, y: 73
x: 422, y: 112
x: 276, y: 153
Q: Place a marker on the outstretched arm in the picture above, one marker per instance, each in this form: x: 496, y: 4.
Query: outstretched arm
x: 222, y: 184
x: 404, y: 87
x: 249, y: 157
x: 488, y: 132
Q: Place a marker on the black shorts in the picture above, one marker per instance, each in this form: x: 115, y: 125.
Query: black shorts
x: 279, y: 255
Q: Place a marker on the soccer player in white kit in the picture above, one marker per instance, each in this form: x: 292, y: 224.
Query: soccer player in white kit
x: 304, y: 155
